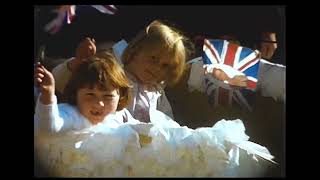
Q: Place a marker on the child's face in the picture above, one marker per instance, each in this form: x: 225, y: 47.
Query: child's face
x: 95, y: 104
x: 151, y: 67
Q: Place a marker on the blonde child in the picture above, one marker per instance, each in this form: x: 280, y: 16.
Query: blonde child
x: 98, y: 89
x: 154, y: 58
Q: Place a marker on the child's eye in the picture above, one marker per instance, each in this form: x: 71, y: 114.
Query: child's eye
x: 89, y: 94
x: 168, y: 66
x: 108, y: 97
x: 165, y: 65
x: 154, y: 59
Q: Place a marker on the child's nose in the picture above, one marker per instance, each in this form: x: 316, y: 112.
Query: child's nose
x: 101, y: 103
x: 158, y: 67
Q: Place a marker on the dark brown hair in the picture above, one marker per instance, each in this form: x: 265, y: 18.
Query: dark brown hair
x: 103, y: 71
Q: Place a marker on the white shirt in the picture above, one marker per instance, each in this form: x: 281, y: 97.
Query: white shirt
x: 144, y: 98
x: 63, y: 117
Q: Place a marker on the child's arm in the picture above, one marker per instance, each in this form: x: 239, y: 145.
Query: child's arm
x: 237, y: 81
x: 47, y: 115
x: 44, y: 79
x: 197, y: 72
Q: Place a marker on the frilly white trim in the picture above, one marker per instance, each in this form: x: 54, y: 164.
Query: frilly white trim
x: 102, y: 151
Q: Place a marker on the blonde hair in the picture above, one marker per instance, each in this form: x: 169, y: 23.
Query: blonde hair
x: 164, y: 37
x: 103, y: 71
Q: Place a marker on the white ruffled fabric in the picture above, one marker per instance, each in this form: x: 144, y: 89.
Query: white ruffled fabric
x: 175, y: 151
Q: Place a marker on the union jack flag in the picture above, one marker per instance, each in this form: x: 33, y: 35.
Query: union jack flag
x: 242, y: 60
x: 66, y: 13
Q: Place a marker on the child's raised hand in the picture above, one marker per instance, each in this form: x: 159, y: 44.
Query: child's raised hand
x: 86, y: 49
x: 45, y: 81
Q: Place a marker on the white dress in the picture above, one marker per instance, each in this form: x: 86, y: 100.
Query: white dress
x: 173, y: 151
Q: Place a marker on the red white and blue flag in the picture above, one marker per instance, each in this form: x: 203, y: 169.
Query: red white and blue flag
x: 243, y: 60
x: 66, y: 13
x: 240, y: 58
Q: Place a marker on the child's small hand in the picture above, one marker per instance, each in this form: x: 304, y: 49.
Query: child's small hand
x: 86, y: 49
x: 45, y: 81
x: 239, y: 81
x: 220, y: 74
x: 236, y: 81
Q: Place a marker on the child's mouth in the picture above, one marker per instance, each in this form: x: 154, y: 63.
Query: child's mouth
x: 96, y: 113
